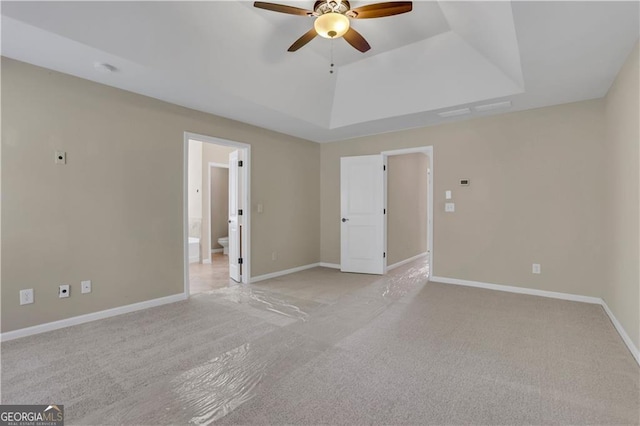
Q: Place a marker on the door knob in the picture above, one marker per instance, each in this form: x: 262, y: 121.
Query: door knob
x: 344, y: 219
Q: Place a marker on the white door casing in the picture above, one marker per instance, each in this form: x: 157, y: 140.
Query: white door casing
x: 362, y: 214
x: 234, y: 218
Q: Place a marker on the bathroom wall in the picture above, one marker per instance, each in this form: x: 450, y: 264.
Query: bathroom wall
x: 406, y: 206
x: 211, y: 153
x: 219, y: 205
x: 622, y: 213
x: 194, y: 188
x: 114, y: 213
x: 535, y: 196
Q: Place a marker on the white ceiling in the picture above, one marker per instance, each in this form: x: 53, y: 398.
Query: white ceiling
x: 230, y: 59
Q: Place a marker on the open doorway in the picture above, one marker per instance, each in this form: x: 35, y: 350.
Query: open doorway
x: 409, y: 201
x: 216, y: 213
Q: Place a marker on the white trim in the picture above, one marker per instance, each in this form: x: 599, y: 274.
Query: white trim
x: 411, y: 259
x: 185, y: 213
x: 219, y: 165
x: 621, y: 331
x: 216, y: 250
x: 81, y: 319
x: 428, y: 151
x: 329, y: 265
x: 520, y: 290
x: 285, y: 272
x: 246, y: 199
x: 206, y: 261
x: 554, y: 295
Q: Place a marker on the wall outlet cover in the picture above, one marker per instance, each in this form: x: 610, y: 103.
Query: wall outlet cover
x: 449, y: 207
x: 536, y: 268
x: 85, y: 286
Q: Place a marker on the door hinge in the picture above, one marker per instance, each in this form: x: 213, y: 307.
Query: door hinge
x: 239, y: 163
x: 384, y: 254
x: 384, y: 168
x: 239, y: 261
x: 384, y: 211
x: 239, y: 212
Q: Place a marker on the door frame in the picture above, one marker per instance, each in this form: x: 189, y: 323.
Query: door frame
x: 246, y: 202
x: 428, y: 150
x: 209, y: 167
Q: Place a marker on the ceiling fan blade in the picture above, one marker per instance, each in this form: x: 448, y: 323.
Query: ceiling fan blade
x: 306, y: 38
x: 379, y: 10
x: 356, y: 40
x: 282, y: 8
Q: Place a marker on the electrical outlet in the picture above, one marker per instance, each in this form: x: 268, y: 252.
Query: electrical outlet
x: 64, y: 291
x: 26, y: 296
x: 536, y: 268
x: 449, y: 207
x: 85, y: 286
x: 274, y: 255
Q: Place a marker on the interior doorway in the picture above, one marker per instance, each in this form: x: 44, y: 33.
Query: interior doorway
x: 365, y: 239
x: 216, y: 214
x: 409, y: 199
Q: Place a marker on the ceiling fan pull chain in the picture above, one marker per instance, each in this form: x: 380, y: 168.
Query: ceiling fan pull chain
x: 331, y: 69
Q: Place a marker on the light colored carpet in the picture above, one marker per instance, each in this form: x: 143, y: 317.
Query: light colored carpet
x: 324, y: 347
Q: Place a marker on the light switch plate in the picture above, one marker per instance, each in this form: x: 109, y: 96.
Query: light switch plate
x: 85, y: 286
x: 447, y: 195
x: 26, y: 296
x: 449, y: 207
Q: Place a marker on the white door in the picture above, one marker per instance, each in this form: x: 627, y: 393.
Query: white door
x: 235, y: 220
x: 362, y: 216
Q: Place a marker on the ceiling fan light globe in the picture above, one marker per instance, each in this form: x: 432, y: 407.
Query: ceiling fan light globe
x: 331, y: 25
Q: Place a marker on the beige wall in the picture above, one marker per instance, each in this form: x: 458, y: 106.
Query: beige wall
x: 535, y: 196
x: 194, y: 188
x: 621, y: 236
x: 220, y: 205
x: 114, y: 213
x: 211, y: 153
x: 406, y: 206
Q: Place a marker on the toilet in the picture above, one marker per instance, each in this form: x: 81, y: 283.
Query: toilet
x: 224, y: 242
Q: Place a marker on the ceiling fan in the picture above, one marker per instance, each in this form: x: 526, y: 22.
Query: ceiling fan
x: 332, y: 19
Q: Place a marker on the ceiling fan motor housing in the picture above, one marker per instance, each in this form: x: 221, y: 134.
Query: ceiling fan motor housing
x: 322, y: 7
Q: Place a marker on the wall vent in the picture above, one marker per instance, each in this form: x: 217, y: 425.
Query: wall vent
x: 455, y: 112
x: 494, y: 106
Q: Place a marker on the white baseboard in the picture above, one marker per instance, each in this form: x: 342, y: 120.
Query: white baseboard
x: 554, y: 295
x: 520, y: 290
x: 216, y: 250
x: 281, y: 273
x: 330, y: 265
x: 621, y: 331
x: 81, y: 319
x: 194, y: 259
x: 206, y: 261
x: 404, y: 262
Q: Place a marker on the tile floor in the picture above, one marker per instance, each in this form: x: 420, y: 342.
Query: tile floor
x: 207, y: 277
x: 324, y: 347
